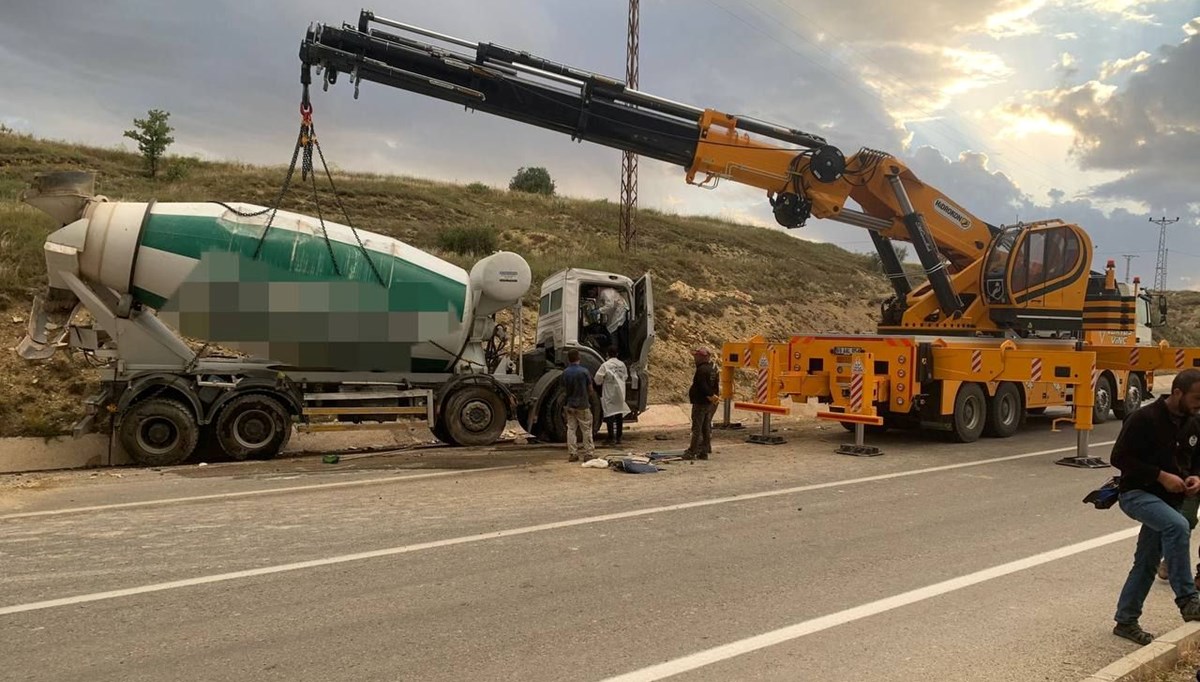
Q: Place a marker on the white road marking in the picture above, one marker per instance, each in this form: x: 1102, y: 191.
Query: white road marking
x: 808, y: 627
x: 478, y: 537
x: 248, y: 493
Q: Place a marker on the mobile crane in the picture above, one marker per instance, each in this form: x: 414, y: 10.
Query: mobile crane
x: 1009, y: 319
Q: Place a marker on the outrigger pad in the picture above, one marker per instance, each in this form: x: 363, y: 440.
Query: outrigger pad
x: 1083, y: 462
x: 859, y: 450
x: 760, y: 439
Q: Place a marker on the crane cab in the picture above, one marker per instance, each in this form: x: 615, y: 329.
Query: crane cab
x: 1035, y: 277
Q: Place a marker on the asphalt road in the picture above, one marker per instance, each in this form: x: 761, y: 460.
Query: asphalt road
x: 935, y: 561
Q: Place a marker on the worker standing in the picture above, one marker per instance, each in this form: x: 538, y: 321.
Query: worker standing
x: 611, y: 377
x: 704, y: 396
x: 578, y: 408
x: 1158, y: 455
x: 615, y: 312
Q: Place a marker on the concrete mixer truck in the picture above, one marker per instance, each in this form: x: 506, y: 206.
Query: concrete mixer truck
x: 300, y: 322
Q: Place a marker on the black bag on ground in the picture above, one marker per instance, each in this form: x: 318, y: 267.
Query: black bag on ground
x: 1106, y: 495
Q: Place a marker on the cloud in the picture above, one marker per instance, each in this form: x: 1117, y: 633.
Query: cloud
x: 1126, y: 10
x: 1015, y: 21
x: 1147, y: 129
x: 1067, y: 65
x: 994, y: 197
x: 917, y: 78
x: 1136, y: 63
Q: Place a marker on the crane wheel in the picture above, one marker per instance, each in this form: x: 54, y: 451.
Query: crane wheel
x: 1003, y: 412
x: 970, y: 414
x: 158, y: 432
x: 1135, y: 393
x: 1102, y: 410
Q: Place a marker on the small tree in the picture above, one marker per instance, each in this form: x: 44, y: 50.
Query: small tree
x: 153, y: 135
x: 533, y: 180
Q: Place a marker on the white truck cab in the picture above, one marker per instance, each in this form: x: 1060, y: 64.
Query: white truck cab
x: 568, y: 318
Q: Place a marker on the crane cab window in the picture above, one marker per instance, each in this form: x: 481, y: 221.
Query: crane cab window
x: 1044, y: 256
x: 997, y: 265
x: 1062, y: 250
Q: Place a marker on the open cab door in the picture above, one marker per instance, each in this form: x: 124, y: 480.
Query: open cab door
x: 641, y: 339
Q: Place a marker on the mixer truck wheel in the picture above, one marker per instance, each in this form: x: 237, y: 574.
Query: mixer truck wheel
x: 474, y: 415
x: 439, y: 431
x: 552, y: 425
x: 158, y: 432
x: 253, y: 426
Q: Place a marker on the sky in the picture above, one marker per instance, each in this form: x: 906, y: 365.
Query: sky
x: 1082, y: 110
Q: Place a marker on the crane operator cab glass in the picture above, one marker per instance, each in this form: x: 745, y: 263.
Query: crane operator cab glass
x: 1035, y: 278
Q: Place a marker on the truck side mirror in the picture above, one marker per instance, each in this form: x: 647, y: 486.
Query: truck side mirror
x: 1158, y: 310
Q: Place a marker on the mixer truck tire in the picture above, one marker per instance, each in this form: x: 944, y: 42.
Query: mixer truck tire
x: 440, y: 432
x: 158, y: 432
x: 474, y: 415
x: 553, y: 422
x: 253, y: 426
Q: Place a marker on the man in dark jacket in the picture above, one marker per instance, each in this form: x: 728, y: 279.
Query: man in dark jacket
x: 1157, y: 455
x: 704, y: 396
x: 577, y: 410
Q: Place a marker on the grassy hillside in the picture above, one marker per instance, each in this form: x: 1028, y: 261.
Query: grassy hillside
x: 1183, y: 319
x: 714, y: 281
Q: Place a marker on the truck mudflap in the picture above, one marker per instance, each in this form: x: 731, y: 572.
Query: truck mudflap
x: 96, y: 408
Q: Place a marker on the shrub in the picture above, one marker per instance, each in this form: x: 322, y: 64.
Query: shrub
x: 180, y: 168
x: 477, y: 188
x: 468, y: 240
x: 532, y: 180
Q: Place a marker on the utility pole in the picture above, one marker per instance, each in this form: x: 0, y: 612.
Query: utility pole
x: 629, y: 161
x: 1160, y: 270
x: 1128, y: 257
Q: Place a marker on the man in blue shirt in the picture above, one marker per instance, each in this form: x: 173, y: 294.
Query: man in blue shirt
x: 577, y: 382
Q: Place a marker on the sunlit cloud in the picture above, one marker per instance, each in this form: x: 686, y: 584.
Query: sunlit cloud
x: 921, y: 79
x: 1127, y: 10
x: 1017, y: 122
x: 1017, y: 21
x: 1067, y: 65
x: 1136, y: 64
